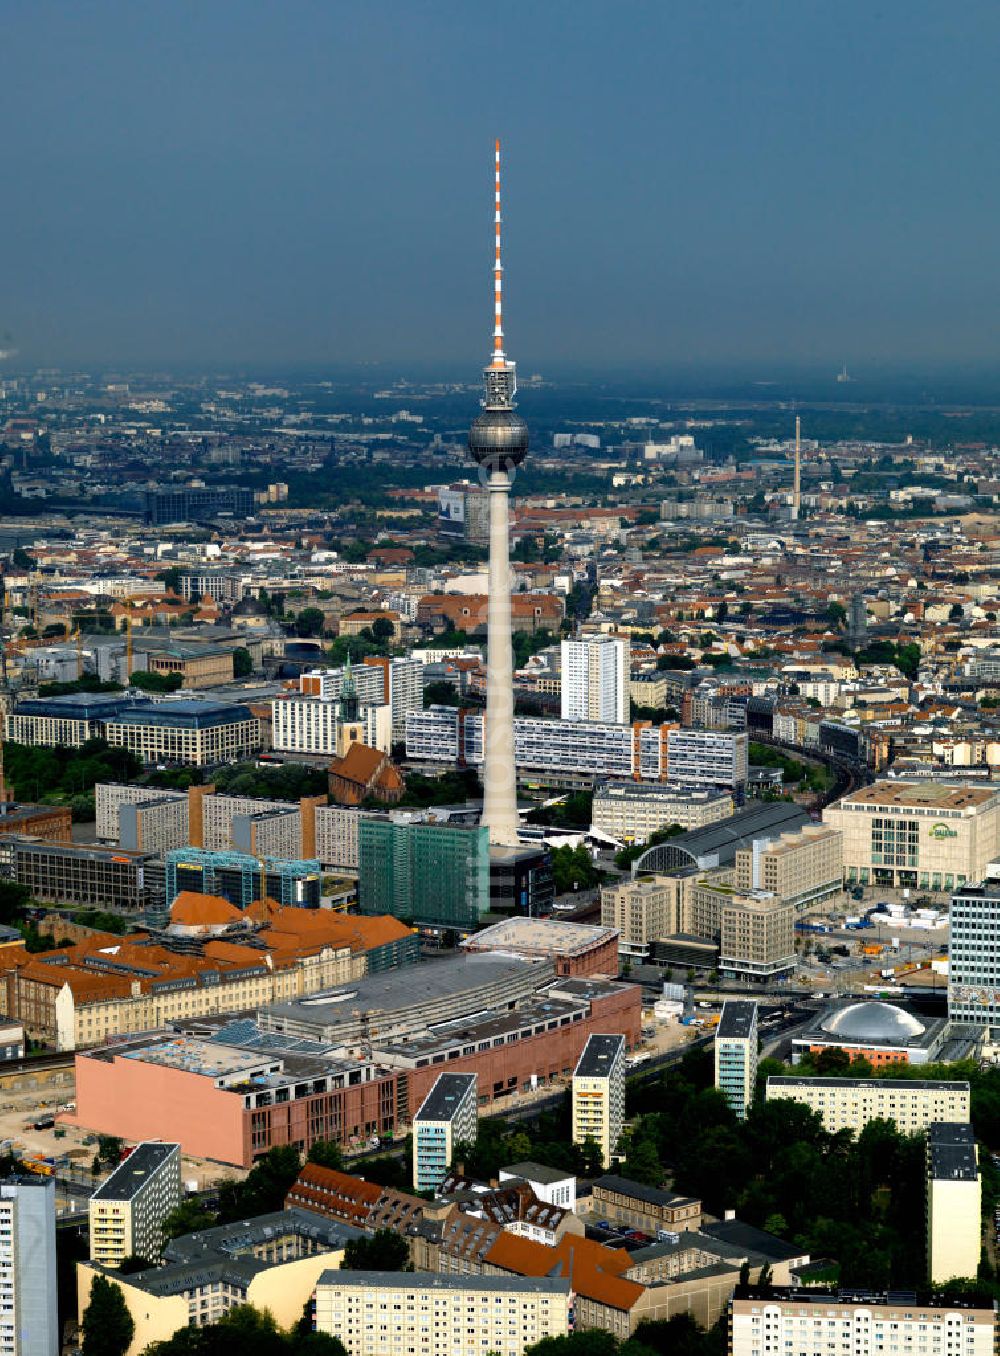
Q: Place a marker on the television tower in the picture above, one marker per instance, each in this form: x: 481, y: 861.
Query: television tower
x: 498, y: 442
x: 797, y: 483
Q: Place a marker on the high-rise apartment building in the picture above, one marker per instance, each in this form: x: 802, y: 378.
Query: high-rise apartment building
x: 595, y: 679
x: 447, y: 1116
x: 29, y: 1323
x: 599, y: 1094
x: 128, y: 1209
x: 954, y: 1202
x: 973, y: 963
x: 736, y: 1055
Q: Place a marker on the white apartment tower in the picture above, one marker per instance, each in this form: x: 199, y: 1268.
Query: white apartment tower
x: 29, y: 1324
x: 736, y: 1055
x: 595, y: 679
x: 599, y: 1094
x: 127, y: 1210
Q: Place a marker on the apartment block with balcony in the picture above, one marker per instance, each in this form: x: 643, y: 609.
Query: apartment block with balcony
x: 128, y: 1209
x: 599, y: 1094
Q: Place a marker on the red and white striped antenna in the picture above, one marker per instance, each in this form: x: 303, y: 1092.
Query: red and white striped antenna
x: 499, y: 359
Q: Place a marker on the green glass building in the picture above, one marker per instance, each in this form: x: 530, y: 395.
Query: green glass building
x: 433, y: 874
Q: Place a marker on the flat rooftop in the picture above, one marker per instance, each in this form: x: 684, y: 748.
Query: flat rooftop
x: 132, y: 1174
x: 435, y: 1280
x: 401, y: 989
x: 599, y: 1054
x: 446, y: 1096
x: 891, y: 1084
x: 737, y: 1020
x: 951, y: 1152
x: 540, y: 937
x: 928, y: 794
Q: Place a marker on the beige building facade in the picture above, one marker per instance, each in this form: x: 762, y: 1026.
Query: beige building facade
x: 954, y: 1203
x: 801, y: 868
x: 642, y: 910
x: 817, y: 1322
x: 599, y: 1094
x: 917, y: 835
x: 375, y: 1313
x: 850, y: 1103
x: 633, y: 811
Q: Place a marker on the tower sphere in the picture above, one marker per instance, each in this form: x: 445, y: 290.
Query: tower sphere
x: 498, y: 439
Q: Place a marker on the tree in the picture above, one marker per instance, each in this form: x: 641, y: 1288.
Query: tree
x: 326, y: 1153
x: 642, y: 1163
x: 171, y: 578
x: 956, y: 612
x: 108, y: 1327
x: 383, y: 630
x: 133, y: 1263
x: 242, y: 662
x: 385, y: 1250
x: 441, y: 693
x: 187, y: 1218
x: 309, y: 622
x: 156, y: 682
x: 265, y: 1186
x: 836, y: 614
x: 722, y: 612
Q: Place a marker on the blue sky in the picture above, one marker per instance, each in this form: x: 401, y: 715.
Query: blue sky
x: 687, y: 182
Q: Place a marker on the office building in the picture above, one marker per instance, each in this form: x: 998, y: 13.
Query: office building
x: 736, y: 1055
x: 801, y: 868
x: 241, y: 879
x: 61, y: 873
x: 814, y: 1321
x: 271, y: 1262
x: 198, y: 504
x: 917, y: 835
x: 568, y: 748
x: 595, y: 679
x: 367, y: 680
x: 128, y: 1209
x: 436, y: 875
x: 850, y: 1103
x: 50, y: 823
x: 428, y: 1314
x: 643, y: 911
x: 29, y: 1322
x: 197, y: 733
x: 402, y: 688
x: 954, y: 1203
x: 756, y: 934
x: 521, y: 880
x: 974, y: 963
x: 599, y: 1094
x: 633, y: 811
x: 63, y: 722
x: 447, y: 1116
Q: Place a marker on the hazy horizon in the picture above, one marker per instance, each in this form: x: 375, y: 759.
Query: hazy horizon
x: 766, y: 189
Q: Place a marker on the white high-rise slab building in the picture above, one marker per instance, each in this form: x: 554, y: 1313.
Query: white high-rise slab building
x: 29, y: 1324
x: 595, y: 679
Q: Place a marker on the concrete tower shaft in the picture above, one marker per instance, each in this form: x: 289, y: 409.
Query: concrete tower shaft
x: 498, y: 442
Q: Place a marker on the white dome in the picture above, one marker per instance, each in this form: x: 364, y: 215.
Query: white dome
x: 874, y: 1021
